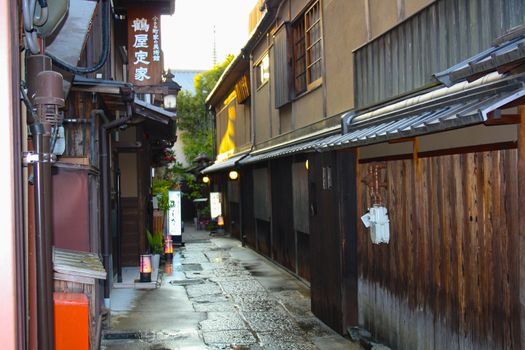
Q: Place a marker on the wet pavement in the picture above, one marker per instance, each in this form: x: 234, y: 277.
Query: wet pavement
x: 218, y: 295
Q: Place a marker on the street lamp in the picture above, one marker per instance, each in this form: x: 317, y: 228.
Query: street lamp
x: 170, y: 99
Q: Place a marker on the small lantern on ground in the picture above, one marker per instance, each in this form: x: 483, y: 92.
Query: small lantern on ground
x: 220, y: 224
x: 145, y: 267
x: 168, y: 248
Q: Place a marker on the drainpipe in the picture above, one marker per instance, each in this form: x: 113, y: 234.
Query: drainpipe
x: 43, y: 235
x: 48, y: 98
x: 252, y: 101
x: 119, y: 225
x: 104, y: 134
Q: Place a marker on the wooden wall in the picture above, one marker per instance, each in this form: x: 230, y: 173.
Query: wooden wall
x: 130, y: 232
x: 449, y: 277
x: 275, y: 219
x: 81, y: 138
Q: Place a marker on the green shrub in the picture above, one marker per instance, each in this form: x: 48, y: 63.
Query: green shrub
x: 156, y: 242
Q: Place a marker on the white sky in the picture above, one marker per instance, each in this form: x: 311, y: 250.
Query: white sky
x: 187, y: 36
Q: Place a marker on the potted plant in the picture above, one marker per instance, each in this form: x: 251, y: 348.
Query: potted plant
x: 160, y: 189
x: 155, y: 241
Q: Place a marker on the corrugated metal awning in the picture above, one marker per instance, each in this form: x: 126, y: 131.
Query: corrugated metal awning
x: 461, y: 108
x: 502, y: 54
x: 291, y: 148
x: 280, y: 152
x: 223, y: 165
x: 83, y: 264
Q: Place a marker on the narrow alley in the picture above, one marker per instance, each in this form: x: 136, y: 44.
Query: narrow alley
x: 218, y: 294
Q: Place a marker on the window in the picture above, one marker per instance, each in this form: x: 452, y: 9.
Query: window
x: 242, y: 89
x: 307, y: 43
x: 262, y: 71
x: 299, y: 66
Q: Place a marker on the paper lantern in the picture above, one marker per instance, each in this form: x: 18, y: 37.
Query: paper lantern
x: 145, y: 267
x: 168, y: 247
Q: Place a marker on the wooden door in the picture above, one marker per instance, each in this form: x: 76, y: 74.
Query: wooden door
x: 283, y: 235
x: 332, y: 230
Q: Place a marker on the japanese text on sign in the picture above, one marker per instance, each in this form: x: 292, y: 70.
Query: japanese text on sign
x: 144, y: 55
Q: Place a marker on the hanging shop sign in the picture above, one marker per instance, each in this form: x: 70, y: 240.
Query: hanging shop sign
x: 175, y: 214
x: 215, y: 204
x: 144, y: 55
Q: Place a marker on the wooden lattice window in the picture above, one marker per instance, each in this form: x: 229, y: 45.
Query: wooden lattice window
x: 307, y: 49
x: 312, y: 19
x: 299, y: 66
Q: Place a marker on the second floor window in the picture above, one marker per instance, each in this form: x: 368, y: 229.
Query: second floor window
x: 262, y: 70
x: 307, y: 49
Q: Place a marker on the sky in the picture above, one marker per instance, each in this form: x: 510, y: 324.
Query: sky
x: 187, y: 35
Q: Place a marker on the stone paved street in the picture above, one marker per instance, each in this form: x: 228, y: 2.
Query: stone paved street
x: 218, y: 295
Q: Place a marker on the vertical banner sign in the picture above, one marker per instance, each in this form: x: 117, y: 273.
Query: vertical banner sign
x: 215, y: 204
x: 174, y: 214
x: 144, y: 63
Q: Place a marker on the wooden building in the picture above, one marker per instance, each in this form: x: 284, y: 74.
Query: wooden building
x: 411, y: 105
x: 99, y: 163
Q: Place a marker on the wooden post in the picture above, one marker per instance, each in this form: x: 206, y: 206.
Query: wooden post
x: 521, y: 215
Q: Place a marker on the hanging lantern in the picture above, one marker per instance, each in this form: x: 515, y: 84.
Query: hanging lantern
x: 206, y: 179
x: 306, y: 165
x: 220, y: 220
x: 145, y: 267
x: 168, y: 247
x: 233, y: 175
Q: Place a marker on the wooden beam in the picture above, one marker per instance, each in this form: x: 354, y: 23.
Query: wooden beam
x: 503, y: 119
x: 401, y: 140
x: 510, y: 67
x: 152, y: 89
x: 516, y: 103
x: 521, y: 220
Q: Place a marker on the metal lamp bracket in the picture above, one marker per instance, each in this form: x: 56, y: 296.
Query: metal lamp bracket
x: 31, y: 158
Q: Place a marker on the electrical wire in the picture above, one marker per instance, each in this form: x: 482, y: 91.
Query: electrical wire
x: 54, y: 138
x: 27, y: 102
x: 30, y: 34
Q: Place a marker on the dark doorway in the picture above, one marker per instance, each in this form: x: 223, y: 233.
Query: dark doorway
x: 283, y: 235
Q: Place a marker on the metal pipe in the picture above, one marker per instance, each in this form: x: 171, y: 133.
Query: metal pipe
x: 48, y: 98
x: 43, y: 235
x: 119, y: 241
x: 106, y: 235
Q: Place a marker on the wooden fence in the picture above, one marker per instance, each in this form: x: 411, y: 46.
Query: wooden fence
x: 449, y: 277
